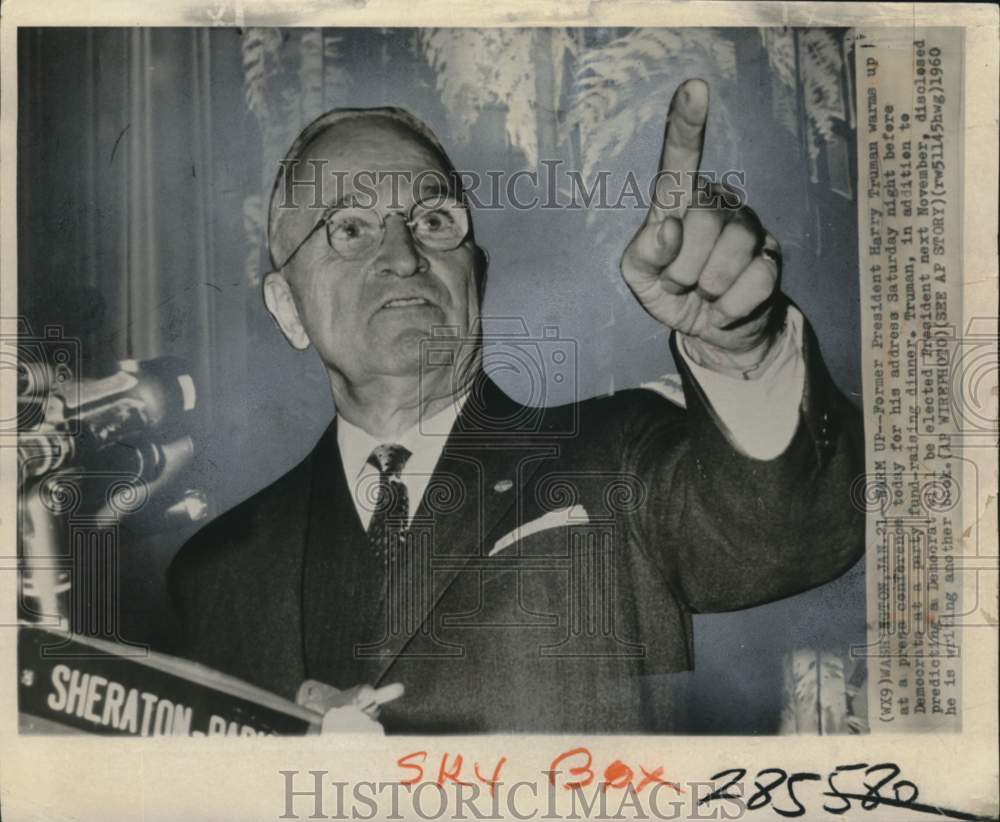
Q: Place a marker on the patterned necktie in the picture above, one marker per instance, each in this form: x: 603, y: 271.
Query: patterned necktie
x: 392, y: 506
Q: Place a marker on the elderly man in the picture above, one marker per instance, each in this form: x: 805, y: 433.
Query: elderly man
x: 516, y: 569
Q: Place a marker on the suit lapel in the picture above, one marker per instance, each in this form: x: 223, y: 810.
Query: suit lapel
x: 491, y: 454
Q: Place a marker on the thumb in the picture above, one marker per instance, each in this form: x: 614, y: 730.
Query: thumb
x: 654, y: 246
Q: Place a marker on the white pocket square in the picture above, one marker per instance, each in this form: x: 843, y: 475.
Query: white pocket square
x: 575, y: 515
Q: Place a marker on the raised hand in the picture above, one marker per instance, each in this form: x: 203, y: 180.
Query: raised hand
x: 701, y: 263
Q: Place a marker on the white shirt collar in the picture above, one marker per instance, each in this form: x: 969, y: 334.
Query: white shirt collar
x: 425, y: 442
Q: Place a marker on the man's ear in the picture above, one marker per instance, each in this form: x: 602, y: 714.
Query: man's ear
x: 279, y: 301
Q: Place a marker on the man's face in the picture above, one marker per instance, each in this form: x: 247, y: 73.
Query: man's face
x: 366, y: 316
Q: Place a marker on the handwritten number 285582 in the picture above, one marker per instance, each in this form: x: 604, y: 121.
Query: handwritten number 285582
x: 769, y: 782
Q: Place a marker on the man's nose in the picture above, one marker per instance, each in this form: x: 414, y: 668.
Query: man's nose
x: 399, y: 254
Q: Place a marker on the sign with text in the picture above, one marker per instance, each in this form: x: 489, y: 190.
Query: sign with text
x: 75, y: 684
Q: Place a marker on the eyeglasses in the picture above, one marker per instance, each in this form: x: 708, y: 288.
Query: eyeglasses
x: 354, y: 232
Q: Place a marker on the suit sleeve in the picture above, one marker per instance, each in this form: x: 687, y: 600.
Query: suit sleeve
x: 732, y: 531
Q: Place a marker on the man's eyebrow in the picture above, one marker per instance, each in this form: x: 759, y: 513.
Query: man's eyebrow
x: 434, y: 187
x: 347, y: 201
x: 433, y: 184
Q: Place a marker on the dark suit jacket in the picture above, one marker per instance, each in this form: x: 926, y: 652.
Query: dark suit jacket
x: 574, y: 628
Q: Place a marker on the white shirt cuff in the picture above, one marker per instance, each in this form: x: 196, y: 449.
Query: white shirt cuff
x: 759, y: 416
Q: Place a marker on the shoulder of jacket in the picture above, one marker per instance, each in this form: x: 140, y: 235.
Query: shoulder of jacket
x: 613, y: 417
x: 632, y: 404
x: 232, y: 529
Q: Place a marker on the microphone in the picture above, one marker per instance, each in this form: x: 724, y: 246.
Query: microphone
x: 140, y: 396
x: 84, y: 417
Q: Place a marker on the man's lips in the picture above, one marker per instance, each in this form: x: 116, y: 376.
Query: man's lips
x: 406, y: 302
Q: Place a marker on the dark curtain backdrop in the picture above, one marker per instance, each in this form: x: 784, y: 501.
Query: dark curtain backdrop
x: 145, y: 158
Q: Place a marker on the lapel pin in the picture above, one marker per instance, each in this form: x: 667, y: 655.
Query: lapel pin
x: 503, y: 485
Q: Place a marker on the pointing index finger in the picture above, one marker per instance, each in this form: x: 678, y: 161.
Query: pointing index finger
x: 682, y: 147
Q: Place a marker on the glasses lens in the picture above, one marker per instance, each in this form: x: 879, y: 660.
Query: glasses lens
x: 440, y: 227
x: 353, y: 232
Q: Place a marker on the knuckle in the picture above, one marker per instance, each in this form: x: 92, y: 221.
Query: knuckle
x: 727, y: 312
x: 770, y: 274
x: 730, y: 307
x: 704, y: 222
x: 763, y: 282
x: 773, y: 271
x: 681, y: 274
x: 716, y: 279
x: 741, y: 235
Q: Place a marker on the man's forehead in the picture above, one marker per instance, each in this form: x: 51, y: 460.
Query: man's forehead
x: 375, y: 142
x: 372, y: 157
x: 380, y: 153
